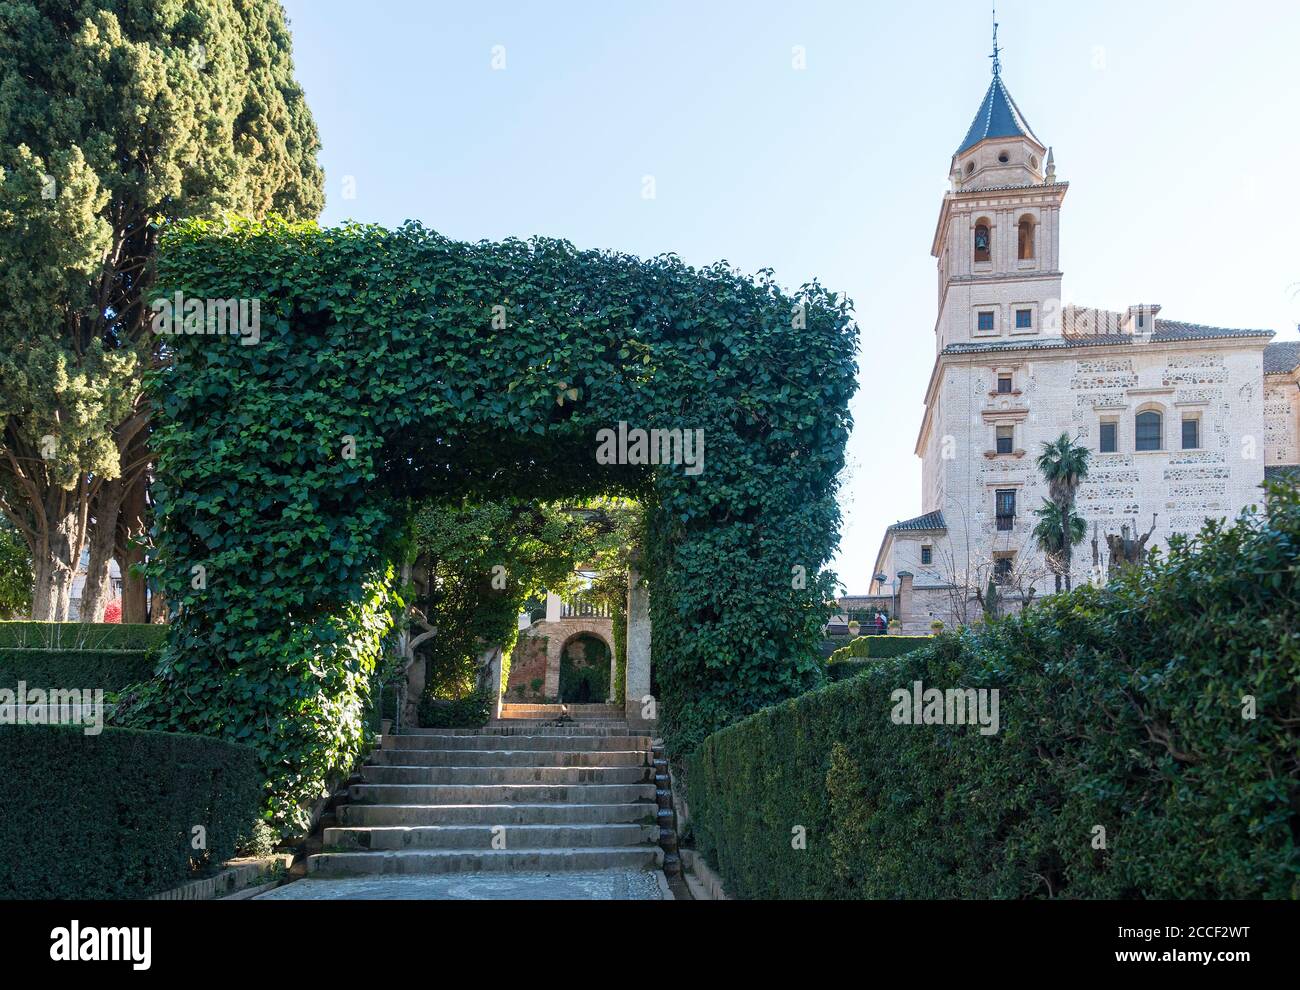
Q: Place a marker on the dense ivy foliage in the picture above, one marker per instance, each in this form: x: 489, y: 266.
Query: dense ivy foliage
x: 127, y: 806
x: 395, y: 366
x: 1163, y: 708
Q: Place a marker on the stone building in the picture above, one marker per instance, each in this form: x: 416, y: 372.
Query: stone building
x: 1182, y: 419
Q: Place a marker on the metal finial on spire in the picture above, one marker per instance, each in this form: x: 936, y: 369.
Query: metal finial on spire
x: 997, y: 62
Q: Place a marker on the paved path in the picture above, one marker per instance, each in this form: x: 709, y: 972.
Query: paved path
x: 603, y: 885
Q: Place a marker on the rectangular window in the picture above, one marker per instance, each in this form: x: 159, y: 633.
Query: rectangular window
x: 927, y: 555
x: 1002, y: 569
x: 1109, y: 438
x: 1004, y: 384
x: 1005, y: 507
x: 1191, y: 433
x: 1006, y: 435
x: 1024, y: 319
x: 986, y: 321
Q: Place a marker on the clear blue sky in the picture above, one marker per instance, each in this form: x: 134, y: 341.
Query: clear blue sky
x: 1175, y: 123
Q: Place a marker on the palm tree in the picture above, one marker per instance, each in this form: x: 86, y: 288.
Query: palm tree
x: 1064, y: 464
x: 1047, y: 534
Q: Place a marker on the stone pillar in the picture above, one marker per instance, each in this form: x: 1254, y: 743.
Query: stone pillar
x: 414, y: 689
x: 495, y: 657
x: 905, y: 605
x: 552, y: 607
x: 637, y: 677
x: 613, y: 671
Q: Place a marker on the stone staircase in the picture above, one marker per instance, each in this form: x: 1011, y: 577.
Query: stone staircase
x: 523, y: 794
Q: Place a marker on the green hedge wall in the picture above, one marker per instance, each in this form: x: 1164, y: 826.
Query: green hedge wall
x: 111, y: 670
x: 111, y: 816
x: 878, y: 647
x: 83, y: 635
x: 428, y: 369
x: 840, y: 670
x: 1120, y: 707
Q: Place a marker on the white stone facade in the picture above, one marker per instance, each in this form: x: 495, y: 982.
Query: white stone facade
x: 1015, y: 369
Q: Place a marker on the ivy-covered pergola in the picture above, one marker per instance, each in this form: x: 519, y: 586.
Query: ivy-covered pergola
x: 395, y: 366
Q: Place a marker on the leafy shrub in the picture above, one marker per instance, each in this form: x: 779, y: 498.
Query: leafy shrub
x: 1121, y: 707
x: 112, y: 815
x: 260, y: 840
x: 27, y: 634
x: 468, y: 712
x: 111, y: 670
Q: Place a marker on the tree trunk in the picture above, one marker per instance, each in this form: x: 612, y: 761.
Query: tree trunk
x: 56, y: 567
x: 158, y: 609
x: 98, y: 589
x: 1067, y: 550
x: 132, y: 524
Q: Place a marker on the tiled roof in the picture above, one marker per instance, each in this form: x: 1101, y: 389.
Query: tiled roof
x: 1278, y: 472
x: 998, y: 116
x: 931, y: 520
x: 1281, y: 357
x: 1176, y: 330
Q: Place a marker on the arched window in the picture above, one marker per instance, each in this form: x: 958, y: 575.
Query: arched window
x: 983, y: 241
x: 1026, y: 231
x: 1149, y: 431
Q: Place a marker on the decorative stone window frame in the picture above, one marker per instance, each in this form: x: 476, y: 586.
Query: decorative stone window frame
x: 1033, y: 327
x: 976, y: 310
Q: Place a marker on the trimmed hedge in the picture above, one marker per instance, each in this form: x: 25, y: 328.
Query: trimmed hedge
x: 112, y: 815
x: 879, y: 647
x: 111, y: 670
x: 841, y: 670
x: 83, y: 636
x: 1122, y: 707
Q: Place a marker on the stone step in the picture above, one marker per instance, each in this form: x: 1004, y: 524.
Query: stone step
x: 506, y: 775
x: 434, y: 794
x: 515, y: 837
x: 567, y: 743
x: 379, y: 815
x: 540, y: 728
x: 509, y: 758
x: 526, y: 710
x: 467, y: 861
x: 525, y: 727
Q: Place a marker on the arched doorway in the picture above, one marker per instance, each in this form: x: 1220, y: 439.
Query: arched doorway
x: 584, y: 670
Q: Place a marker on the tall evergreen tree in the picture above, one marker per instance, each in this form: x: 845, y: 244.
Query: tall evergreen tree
x: 117, y: 117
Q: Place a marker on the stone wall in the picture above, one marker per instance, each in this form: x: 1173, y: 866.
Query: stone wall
x: 527, y: 663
